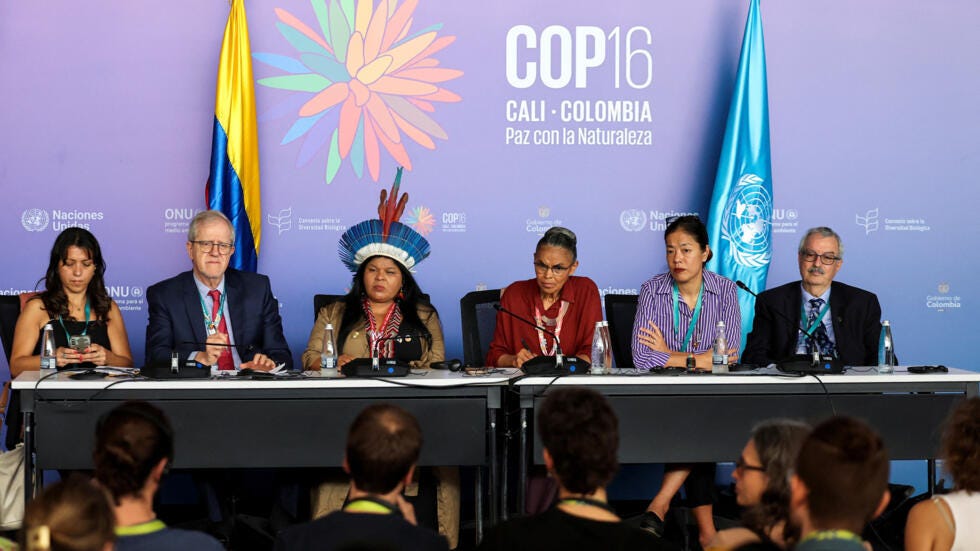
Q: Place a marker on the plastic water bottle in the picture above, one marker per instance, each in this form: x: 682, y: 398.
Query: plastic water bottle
x: 599, y: 347
x: 719, y: 350
x: 49, y: 359
x: 328, y: 358
x: 886, y: 349
x: 609, y: 346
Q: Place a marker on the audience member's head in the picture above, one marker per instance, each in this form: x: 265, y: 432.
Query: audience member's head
x: 580, y: 434
x: 382, y: 448
x: 71, y: 515
x: 762, y: 474
x: 841, y: 477
x: 961, y: 445
x: 133, y: 445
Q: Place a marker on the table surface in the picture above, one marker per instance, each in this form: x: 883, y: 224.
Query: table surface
x: 433, y: 379
x: 767, y: 376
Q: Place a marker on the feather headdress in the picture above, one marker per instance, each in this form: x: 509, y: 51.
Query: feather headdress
x: 384, y: 236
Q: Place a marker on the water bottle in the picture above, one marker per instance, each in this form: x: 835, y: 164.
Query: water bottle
x: 328, y: 358
x: 719, y: 350
x: 599, y: 348
x: 886, y: 349
x: 49, y: 359
x: 609, y: 346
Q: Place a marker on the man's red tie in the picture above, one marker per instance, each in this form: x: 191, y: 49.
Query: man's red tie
x: 225, y: 361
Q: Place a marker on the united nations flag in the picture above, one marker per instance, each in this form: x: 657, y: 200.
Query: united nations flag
x: 740, y: 221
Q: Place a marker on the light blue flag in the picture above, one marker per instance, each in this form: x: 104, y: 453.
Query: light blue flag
x: 740, y: 220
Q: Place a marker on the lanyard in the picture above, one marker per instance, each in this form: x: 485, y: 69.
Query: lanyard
x: 686, y: 341
x: 824, y: 535
x: 372, y: 326
x: 587, y: 501
x: 562, y: 310
x: 142, y: 529
x: 372, y: 505
x: 819, y: 318
x: 212, y: 324
x: 88, y: 312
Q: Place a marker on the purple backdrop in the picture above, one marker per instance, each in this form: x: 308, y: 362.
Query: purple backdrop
x: 106, y: 112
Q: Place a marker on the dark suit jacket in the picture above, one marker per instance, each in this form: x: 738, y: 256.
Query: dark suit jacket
x: 856, y: 316
x: 176, y: 317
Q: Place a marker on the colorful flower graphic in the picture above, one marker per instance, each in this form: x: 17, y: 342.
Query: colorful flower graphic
x: 365, y: 82
x: 421, y: 220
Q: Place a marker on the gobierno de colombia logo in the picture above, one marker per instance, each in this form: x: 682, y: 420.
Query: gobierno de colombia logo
x: 362, y: 82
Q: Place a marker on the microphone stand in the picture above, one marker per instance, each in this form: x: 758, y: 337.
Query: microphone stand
x: 547, y: 366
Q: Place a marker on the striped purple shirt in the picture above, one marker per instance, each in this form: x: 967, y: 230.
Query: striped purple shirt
x: 656, y: 303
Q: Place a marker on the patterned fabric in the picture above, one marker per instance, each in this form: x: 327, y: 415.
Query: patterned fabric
x: 656, y: 305
x: 225, y: 361
x: 820, y: 338
x: 387, y: 332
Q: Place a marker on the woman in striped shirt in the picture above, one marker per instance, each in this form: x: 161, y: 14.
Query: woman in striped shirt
x: 675, y: 321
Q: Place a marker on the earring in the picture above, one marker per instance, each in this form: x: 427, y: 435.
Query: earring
x: 401, y: 294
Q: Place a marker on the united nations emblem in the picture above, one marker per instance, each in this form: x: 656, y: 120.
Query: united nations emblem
x: 633, y: 219
x: 34, y: 219
x: 747, y: 223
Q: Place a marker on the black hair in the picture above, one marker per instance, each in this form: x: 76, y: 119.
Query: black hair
x: 557, y: 236
x: 581, y: 433
x: 410, y: 300
x: 693, y: 226
x: 54, y: 298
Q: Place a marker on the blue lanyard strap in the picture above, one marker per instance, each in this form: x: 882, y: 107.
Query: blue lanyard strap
x: 88, y: 314
x: 212, y: 324
x: 817, y: 321
x: 694, y: 318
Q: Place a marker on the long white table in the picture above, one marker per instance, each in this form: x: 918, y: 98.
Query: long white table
x: 240, y: 423
x: 707, y: 418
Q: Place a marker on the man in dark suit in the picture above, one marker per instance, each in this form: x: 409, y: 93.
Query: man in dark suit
x: 383, y: 447
x: 842, y: 320
x: 217, y: 305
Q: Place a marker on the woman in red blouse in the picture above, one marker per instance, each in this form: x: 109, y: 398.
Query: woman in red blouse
x: 556, y: 299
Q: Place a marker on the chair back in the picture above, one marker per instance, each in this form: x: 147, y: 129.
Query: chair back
x: 319, y: 301
x: 479, y: 320
x: 9, y: 311
x: 620, y: 312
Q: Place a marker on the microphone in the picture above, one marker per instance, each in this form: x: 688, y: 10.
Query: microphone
x: 546, y: 365
x: 559, y: 357
x: 800, y: 363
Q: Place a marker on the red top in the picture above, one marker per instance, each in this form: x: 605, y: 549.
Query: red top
x: 577, y: 325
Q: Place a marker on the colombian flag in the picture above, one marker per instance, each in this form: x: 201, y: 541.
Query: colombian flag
x: 233, y: 185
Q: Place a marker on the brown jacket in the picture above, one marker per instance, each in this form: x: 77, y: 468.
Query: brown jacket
x: 356, y: 343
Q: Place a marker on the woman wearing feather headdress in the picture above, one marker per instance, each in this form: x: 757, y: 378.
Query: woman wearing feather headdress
x: 384, y: 300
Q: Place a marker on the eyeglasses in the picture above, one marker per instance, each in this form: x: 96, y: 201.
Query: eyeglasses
x: 557, y: 269
x: 825, y: 258
x: 740, y: 465
x: 208, y: 246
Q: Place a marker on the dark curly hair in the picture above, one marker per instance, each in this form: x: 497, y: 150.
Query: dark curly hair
x: 412, y: 301
x: 54, y: 298
x: 778, y: 443
x: 961, y: 445
x: 129, y: 442
x: 581, y: 433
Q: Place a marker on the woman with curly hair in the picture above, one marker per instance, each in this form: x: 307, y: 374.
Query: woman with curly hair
x: 949, y: 522
x: 762, y: 487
